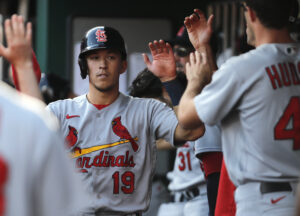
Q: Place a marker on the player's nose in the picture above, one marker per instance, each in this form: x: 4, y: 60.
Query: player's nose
x: 102, y: 63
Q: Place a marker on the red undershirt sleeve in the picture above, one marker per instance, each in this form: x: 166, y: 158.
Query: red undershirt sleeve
x: 36, y: 68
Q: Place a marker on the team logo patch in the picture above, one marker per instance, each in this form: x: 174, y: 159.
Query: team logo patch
x: 122, y: 132
x: 71, y: 138
x: 101, y: 36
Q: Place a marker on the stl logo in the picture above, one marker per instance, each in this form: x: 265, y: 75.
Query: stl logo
x: 101, y: 36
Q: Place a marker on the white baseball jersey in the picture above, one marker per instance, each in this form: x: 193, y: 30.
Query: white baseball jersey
x: 210, y: 141
x: 187, y: 170
x: 256, y: 96
x: 37, y: 178
x: 115, y: 147
x: 186, y: 176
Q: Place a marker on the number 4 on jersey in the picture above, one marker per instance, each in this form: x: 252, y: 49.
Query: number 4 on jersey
x: 292, y: 112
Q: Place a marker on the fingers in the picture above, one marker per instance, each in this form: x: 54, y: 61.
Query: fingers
x: 14, y: 27
x: 210, y: 20
x: 198, y: 58
x: 192, y: 58
x: 28, y: 35
x: 152, y: 49
x: 146, y: 60
x: 187, y: 23
x: 200, y: 15
x: 8, y: 30
x: 169, y: 48
x: 158, y: 47
x: 2, y: 50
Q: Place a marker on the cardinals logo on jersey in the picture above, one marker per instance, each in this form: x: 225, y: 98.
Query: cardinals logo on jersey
x: 71, y: 138
x: 122, y: 132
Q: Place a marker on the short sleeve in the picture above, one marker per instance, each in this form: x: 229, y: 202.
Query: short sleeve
x: 163, y: 121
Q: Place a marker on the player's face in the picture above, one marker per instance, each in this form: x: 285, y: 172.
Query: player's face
x: 182, y: 56
x: 104, y: 69
x: 249, y: 29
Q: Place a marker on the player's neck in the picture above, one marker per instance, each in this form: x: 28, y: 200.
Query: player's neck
x: 265, y: 36
x: 102, y: 98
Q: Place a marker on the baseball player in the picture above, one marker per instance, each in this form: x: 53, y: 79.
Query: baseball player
x: 256, y: 98
x: 208, y: 148
x: 36, y: 177
x: 112, y: 136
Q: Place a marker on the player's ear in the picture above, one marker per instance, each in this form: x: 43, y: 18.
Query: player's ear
x: 123, y: 66
x: 252, y: 14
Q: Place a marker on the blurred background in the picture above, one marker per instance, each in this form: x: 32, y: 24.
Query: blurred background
x: 60, y: 24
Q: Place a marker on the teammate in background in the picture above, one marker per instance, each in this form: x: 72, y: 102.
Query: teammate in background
x: 208, y: 148
x: 36, y: 177
x: 187, y: 181
x: 256, y: 98
x: 112, y: 136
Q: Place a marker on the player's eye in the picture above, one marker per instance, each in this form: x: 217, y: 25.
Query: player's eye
x: 93, y: 57
x: 111, y: 57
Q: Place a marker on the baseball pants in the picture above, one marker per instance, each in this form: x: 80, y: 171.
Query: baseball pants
x: 266, y: 199
x: 196, y: 206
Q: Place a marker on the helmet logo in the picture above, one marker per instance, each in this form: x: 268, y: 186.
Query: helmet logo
x: 101, y: 36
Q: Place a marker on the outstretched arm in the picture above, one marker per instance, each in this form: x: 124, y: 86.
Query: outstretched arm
x: 163, y: 66
x: 19, y: 53
x: 199, y: 73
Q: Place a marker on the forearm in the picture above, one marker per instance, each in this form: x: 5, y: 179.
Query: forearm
x: 162, y: 144
x: 27, y: 80
x: 187, y: 114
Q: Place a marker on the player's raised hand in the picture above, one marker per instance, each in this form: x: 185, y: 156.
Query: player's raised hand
x: 198, y: 69
x: 18, y: 51
x: 163, y: 65
x: 199, y: 28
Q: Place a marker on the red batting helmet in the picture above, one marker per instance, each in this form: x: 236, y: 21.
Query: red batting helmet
x: 100, y: 37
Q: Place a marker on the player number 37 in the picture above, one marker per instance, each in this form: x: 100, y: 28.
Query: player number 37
x: 291, y: 112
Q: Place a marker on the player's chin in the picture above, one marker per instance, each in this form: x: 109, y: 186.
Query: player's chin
x: 105, y: 88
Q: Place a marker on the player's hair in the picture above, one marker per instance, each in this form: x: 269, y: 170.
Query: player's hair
x: 146, y: 84
x: 274, y: 14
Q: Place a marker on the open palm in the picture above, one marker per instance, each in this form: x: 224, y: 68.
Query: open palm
x: 199, y: 29
x: 163, y: 63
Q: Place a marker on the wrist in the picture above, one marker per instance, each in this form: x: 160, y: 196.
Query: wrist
x: 175, y: 90
x: 23, y: 66
x: 167, y: 79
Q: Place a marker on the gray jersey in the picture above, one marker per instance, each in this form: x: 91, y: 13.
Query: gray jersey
x: 187, y: 170
x: 210, y: 141
x: 256, y: 98
x: 38, y: 178
x: 115, y: 148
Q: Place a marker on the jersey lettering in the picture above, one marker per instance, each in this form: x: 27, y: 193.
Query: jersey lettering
x: 3, y: 178
x: 105, y: 160
x: 185, y: 161
x: 288, y: 75
x: 291, y: 113
x: 127, y: 180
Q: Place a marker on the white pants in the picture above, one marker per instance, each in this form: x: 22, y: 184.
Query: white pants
x: 198, y: 206
x: 251, y: 202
